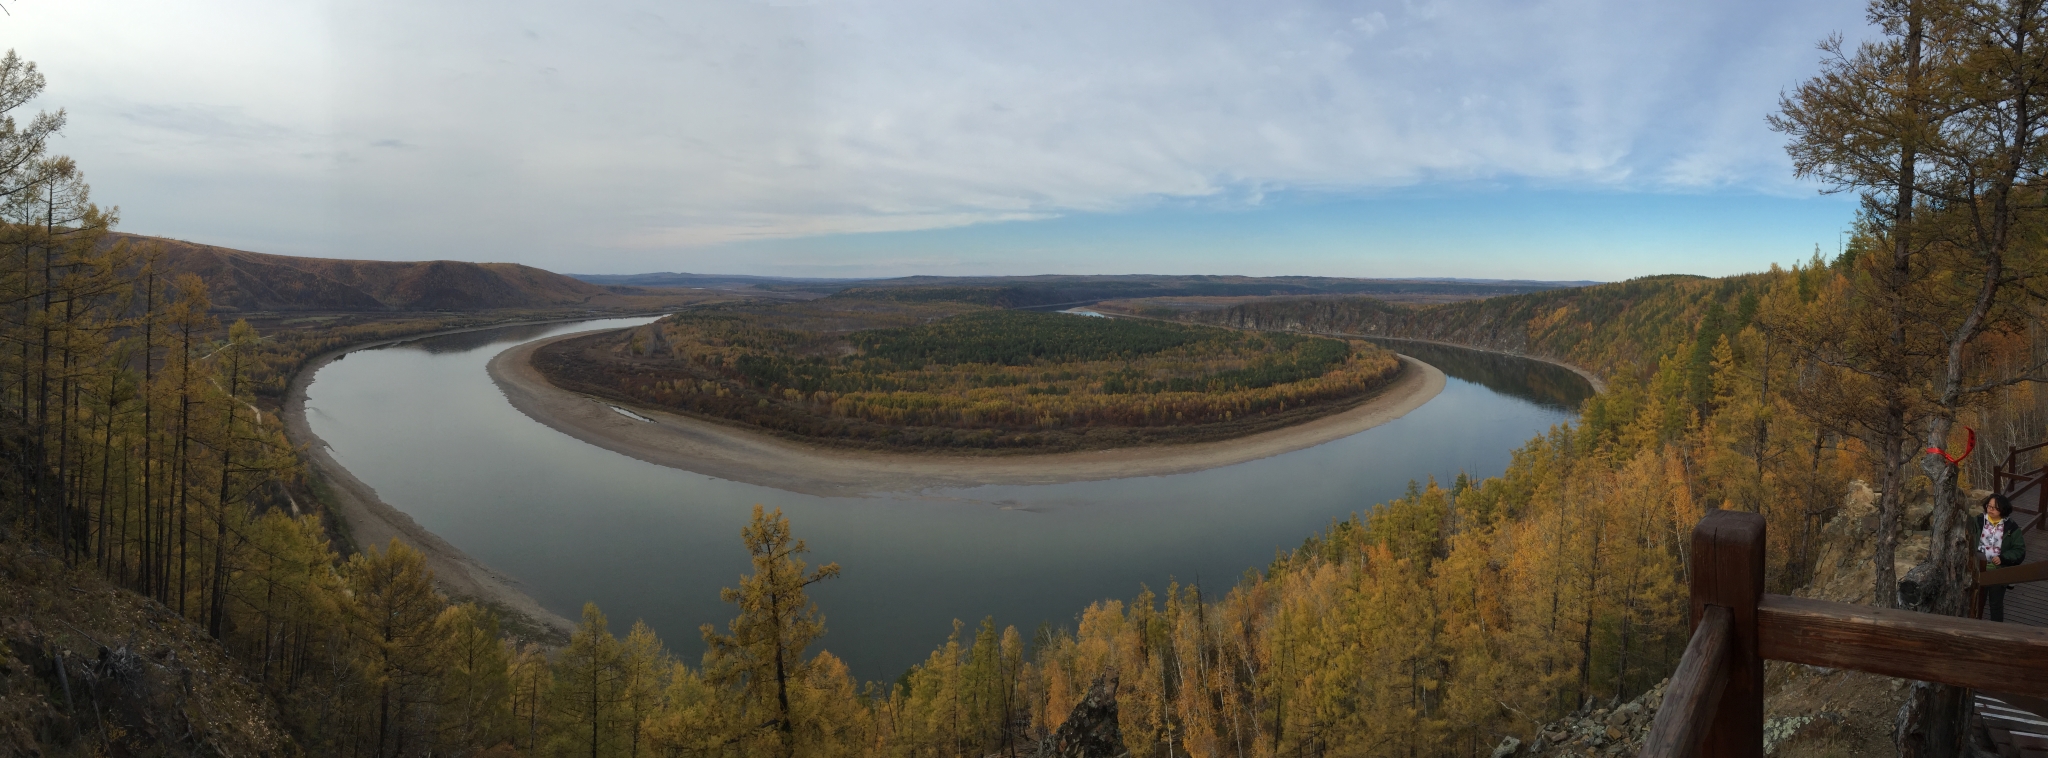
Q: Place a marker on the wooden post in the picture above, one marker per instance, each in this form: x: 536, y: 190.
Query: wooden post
x: 1974, y: 608
x: 1728, y: 571
x: 2041, y: 500
x: 1694, y: 692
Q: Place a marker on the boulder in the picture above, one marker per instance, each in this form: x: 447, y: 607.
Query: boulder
x: 1507, y: 747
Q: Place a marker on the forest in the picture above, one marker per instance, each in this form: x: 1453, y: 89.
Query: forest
x: 139, y: 456
x: 980, y: 379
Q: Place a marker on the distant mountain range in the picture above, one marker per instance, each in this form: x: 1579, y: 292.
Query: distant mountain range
x: 1056, y: 289
x: 240, y: 280
x: 671, y: 279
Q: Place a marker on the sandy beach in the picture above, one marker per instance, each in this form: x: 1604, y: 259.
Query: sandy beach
x: 727, y: 452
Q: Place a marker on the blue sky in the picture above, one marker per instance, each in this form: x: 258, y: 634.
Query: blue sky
x: 1484, y: 138
x: 1407, y: 232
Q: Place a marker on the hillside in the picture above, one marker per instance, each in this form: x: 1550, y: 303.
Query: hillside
x: 684, y: 279
x: 239, y: 280
x: 1601, y: 327
x: 89, y: 668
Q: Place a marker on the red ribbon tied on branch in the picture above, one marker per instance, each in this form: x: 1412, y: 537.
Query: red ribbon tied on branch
x: 1969, y: 446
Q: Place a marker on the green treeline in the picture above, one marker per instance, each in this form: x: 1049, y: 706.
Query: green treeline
x: 1001, y: 379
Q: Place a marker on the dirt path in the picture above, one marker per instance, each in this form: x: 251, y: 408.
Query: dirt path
x: 730, y: 453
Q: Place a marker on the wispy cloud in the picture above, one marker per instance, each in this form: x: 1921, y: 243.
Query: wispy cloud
x: 532, y: 129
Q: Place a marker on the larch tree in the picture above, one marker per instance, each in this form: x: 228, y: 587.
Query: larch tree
x: 475, y: 692
x: 1865, y: 125
x: 761, y: 655
x: 641, y: 664
x: 590, y: 689
x: 1986, y: 178
x: 531, y: 684
x: 396, y: 611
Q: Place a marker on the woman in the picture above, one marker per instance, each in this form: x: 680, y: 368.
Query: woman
x: 1999, y: 543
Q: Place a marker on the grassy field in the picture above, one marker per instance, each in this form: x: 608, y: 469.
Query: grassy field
x: 947, y: 372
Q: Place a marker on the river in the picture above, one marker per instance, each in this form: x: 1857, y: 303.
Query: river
x: 422, y: 423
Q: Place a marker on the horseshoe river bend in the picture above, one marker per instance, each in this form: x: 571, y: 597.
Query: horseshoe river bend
x: 422, y: 424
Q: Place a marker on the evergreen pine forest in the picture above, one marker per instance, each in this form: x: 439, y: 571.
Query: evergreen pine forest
x: 143, y: 448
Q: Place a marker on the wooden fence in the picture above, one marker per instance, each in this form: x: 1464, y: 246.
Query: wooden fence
x: 1714, y: 705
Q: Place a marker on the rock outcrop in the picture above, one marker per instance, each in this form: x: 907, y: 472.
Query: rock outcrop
x: 1091, y: 730
x: 1617, y: 730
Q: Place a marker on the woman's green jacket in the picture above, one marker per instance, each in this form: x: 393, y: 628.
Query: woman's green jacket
x: 2012, y: 550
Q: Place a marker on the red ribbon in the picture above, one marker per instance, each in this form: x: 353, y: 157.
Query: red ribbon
x: 1969, y: 446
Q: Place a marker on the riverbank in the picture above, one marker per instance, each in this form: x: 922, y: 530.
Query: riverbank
x: 726, y: 452
x: 1599, y: 385
x: 369, y: 521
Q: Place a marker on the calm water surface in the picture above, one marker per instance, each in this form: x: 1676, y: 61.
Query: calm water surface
x: 422, y: 423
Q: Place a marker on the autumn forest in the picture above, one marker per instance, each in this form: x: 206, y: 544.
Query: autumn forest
x: 982, y: 379
x: 179, y: 581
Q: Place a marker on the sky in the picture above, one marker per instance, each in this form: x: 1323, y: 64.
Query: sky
x: 1561, y: 140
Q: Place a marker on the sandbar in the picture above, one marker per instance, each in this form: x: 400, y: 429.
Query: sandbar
x: 736, y: 454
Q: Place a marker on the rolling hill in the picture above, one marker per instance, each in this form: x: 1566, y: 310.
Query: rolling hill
x: 239, y: 280
x: 1059, y: 289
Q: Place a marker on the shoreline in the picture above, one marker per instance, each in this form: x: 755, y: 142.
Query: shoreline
x: 369, y: 521
x: 681, y: 442
x: 1599, y: 385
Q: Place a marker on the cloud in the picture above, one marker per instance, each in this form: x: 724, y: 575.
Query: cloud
x: 771, y: 226
x: 1370, y: 24
x: 541, y: 130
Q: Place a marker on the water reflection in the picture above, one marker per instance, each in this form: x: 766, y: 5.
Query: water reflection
x: 1545, y: 384
x: 423, y: 425
x: 462, y: 342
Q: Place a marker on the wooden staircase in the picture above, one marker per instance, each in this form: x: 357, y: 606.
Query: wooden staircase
x: 2017, y: 732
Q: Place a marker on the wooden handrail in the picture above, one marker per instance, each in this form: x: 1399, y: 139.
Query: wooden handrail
x: 2026, y: 572
x: 1694, y: 692
x: 1984, y: 655
x: 1713, y: 706
x: 2015, y: 452
x: 1728, y: 572
x: 2036, y: 480
x: 2006, y: 474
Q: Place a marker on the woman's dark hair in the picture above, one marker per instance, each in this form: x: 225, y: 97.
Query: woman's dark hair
x: 2003, y: 505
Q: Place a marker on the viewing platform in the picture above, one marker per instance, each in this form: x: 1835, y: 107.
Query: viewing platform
x: 1713, y: 706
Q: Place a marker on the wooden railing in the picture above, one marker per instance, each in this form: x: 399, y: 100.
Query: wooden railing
x: 1714, y: 705
x: 2018, y: 485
